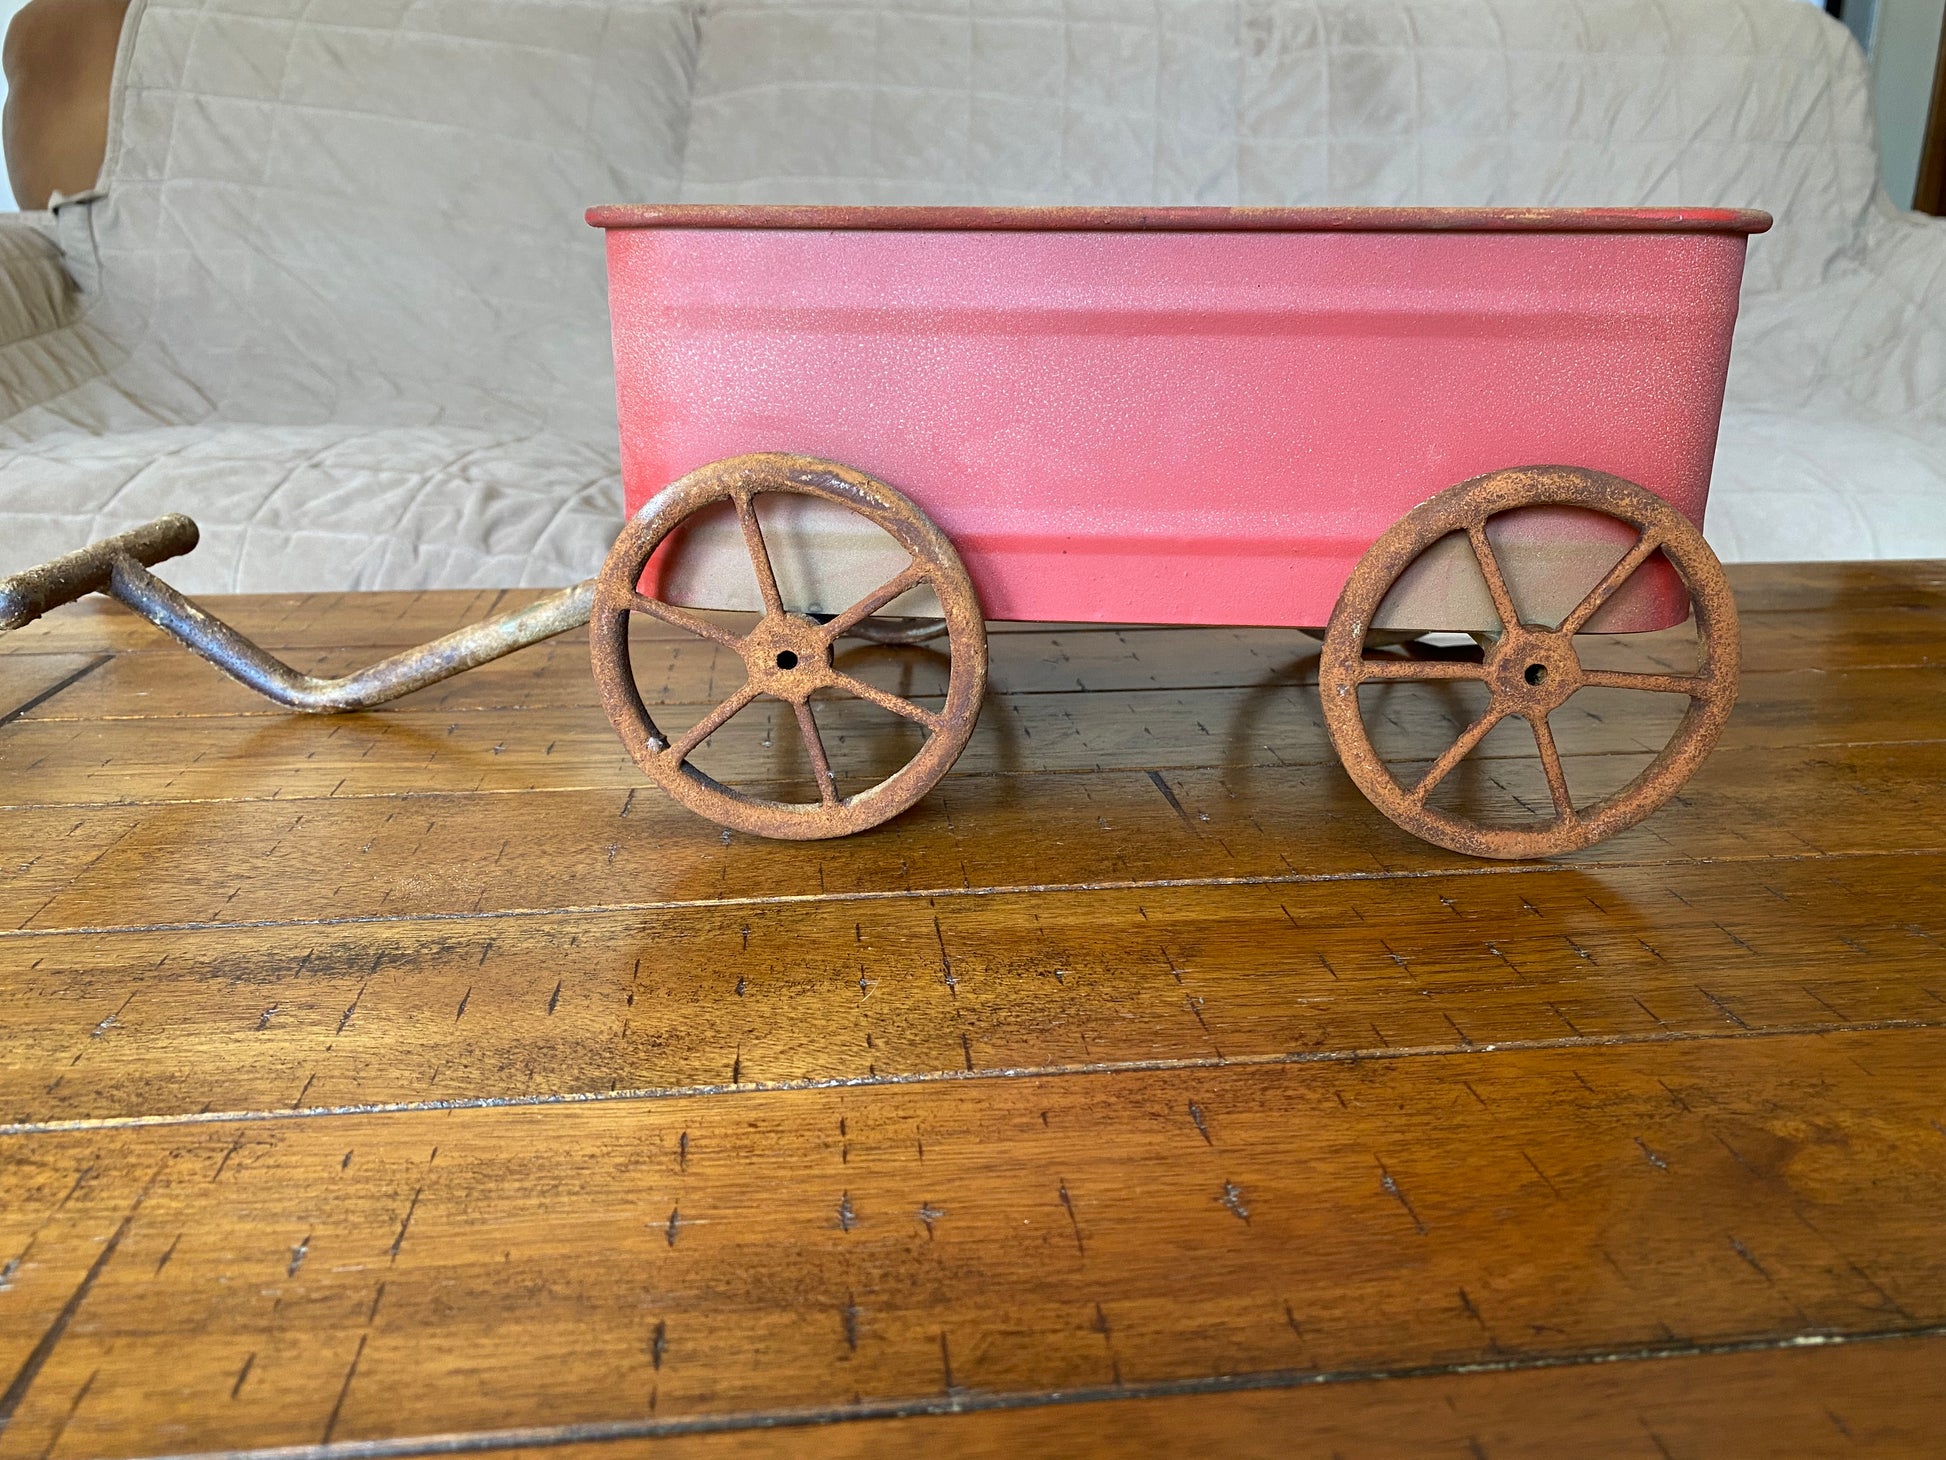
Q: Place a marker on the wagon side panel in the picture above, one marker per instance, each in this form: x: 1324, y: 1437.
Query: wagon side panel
x: 1178, y: 427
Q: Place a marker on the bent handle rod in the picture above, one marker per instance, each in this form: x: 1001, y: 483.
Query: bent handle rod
x: 27, y: 595
x: 250, y: 664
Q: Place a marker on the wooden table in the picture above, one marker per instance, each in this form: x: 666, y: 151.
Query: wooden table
x: 427, y: 1075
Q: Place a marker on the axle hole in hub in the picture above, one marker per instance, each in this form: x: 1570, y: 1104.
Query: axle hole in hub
x: 787, y: 660
x: 1536, y: 673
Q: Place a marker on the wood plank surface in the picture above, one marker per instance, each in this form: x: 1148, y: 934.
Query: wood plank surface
x: 210, y: 862
x: 779, y: 1252
x: 121, y: 760
x: 423, y: 1078
x: 1830, y: 1400
x: 537, y: 1008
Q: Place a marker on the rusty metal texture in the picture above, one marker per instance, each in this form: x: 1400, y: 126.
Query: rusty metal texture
x: 27, y: 595
x: 1180, y: 220
x: 897, y: 632
x: 118, y: 566
x: 401, y: 674
x: 788, y: 656
x: 1530, y: 669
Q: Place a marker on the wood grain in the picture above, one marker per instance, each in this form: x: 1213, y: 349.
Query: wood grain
x: 483, y: 1270
x: 28, y: 681
x: 540, y: 1008
x: 1831, y: 1401
x: 75, y: 762
x: 1834, y: 590
x: 216, y: 862
x: 426, y: 1074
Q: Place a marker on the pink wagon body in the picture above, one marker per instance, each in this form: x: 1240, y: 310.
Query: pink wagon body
x: 1178, y: 416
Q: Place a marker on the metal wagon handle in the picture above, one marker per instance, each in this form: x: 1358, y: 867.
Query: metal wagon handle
x: 27, y: 595
x: 119, y: 567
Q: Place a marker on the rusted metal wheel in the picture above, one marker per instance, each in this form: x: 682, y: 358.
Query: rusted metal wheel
x: 1530, y: 669
x: 788, y: 656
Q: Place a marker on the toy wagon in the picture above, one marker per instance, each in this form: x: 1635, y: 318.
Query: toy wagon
x: 900, y: 424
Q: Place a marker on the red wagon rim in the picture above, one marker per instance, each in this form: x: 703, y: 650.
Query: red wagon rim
x: 1181, y: 220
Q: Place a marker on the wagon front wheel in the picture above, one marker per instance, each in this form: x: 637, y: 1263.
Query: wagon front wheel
x: 1529, y: 665
x: 788, y: 656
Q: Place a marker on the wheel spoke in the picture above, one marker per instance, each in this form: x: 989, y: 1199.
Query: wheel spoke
x: 886, y: 701
x: 871, y: 603
x: 1647, y: 543
x: 1503, y: 601
x: 712, y: 722
x: 814, y: 747
x: 682, y: 618
x: 1557, y: 776
x: 753, y: 538
x: 1419, y: 669
x: 1693, y: 685
x: 1457, y: 752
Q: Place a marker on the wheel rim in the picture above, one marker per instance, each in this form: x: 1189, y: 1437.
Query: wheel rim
x: 788, y: 656
x: 1533, y: 668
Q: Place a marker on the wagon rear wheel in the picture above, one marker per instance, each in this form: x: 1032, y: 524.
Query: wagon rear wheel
x: 1529, y: 669
x: 788, y: 656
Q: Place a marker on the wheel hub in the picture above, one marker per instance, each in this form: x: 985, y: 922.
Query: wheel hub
x: 1533, y: 671
x: 786, y: 656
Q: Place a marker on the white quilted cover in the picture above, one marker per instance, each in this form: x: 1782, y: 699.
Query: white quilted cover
x: 335, y: 299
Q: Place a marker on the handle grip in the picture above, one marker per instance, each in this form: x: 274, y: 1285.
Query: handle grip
x: 27, y: 595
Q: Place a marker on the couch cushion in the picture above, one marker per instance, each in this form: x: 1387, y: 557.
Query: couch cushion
x: 371, y: 213
x: 324, y: 507
x: 1744, y: 103
x: 1796, y: 485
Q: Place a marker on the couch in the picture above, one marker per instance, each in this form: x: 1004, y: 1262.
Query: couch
x: 334, y: 296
